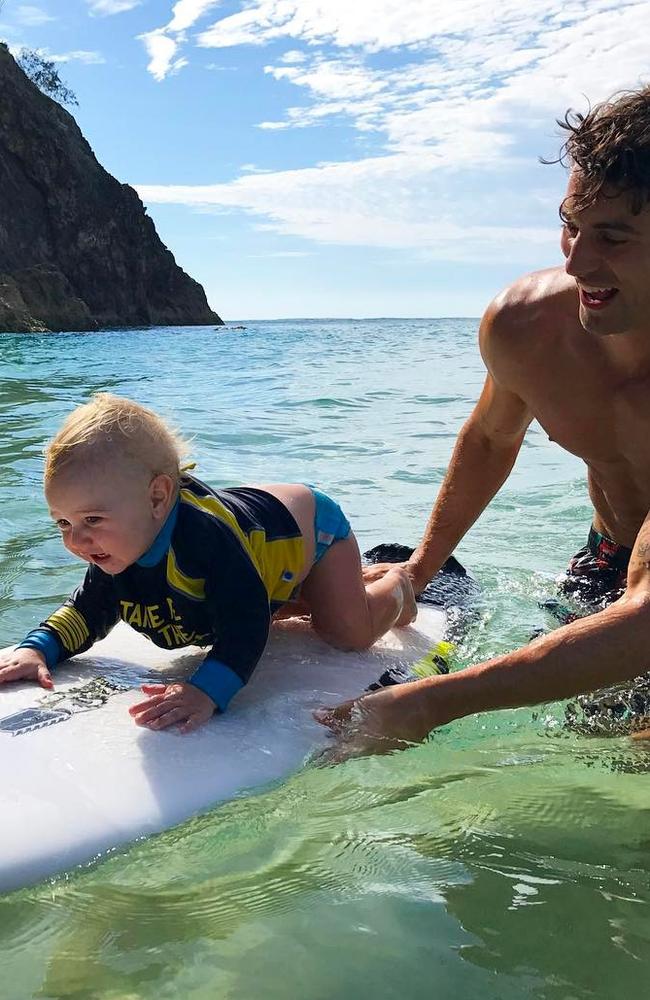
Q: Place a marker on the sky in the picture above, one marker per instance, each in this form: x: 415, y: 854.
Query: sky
x: 342, y: 158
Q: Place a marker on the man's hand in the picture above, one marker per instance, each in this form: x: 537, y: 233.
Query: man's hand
x: 183, y: 705
x: 378, y: 570
x: 25, y: 664
x: 385, y: 720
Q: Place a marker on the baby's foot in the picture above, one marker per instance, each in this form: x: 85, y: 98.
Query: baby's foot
x: 409, y: 610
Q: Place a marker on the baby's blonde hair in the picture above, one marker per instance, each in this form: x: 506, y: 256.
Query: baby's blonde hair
x: 110, y: 427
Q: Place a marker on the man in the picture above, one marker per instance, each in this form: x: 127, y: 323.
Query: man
x: 569, y: 347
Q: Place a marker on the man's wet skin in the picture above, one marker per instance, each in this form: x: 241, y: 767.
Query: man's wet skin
x: 580, y: 357
x: 569, y: 347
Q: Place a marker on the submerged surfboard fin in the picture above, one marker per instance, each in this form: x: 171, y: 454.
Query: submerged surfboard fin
x: 433, y: 662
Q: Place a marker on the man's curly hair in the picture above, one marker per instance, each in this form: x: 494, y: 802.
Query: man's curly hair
x: 610, y: 146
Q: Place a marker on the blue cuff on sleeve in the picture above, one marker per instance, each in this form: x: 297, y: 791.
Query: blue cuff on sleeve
x: 218, y: 681
x: 46, y: 643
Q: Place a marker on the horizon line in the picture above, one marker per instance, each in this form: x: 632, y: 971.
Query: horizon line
x: 321, y: 319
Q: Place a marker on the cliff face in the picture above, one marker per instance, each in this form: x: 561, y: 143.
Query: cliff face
x: 77, y: 249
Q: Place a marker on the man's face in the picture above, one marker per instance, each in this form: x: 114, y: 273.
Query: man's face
x: 607, y: 250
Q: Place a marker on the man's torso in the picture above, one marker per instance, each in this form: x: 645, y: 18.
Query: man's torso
x: 583, y: 400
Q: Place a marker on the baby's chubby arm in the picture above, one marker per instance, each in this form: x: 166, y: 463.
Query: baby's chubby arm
x: 189, y: 705
x: 237, y: 606
x: 25, y: 664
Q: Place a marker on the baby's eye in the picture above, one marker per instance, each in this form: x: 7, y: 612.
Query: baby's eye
x: 92, y: 519
x: 62, y: 524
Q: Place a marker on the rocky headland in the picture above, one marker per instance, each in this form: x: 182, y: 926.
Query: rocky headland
x: 77, y: 248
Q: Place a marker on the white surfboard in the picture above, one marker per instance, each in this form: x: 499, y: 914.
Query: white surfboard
x: 78, y: 777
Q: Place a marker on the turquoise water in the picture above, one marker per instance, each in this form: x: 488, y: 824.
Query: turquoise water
x: 505, y: 858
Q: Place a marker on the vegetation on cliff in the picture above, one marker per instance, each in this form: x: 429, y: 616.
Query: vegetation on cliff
x: 45, y: 75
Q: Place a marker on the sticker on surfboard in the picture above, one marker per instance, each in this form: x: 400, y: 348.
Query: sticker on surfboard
x: 57, y: 707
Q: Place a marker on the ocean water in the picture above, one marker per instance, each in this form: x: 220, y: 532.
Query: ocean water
x: 505, y: 858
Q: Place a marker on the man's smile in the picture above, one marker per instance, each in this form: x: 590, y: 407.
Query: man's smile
x: 596, y: 298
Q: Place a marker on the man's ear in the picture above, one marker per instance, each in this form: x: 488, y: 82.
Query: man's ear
x: 161, y: 492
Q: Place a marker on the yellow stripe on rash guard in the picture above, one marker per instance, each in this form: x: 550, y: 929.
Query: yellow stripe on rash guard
x: 278, y: 562
x: 193, y: 587
x: 283, y: 559
x: 210, y: 505
x: 71, y: 626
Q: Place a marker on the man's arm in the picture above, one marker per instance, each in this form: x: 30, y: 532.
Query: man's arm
x: 484, y: 453
x: 606, y: 648
x: 482, y: 459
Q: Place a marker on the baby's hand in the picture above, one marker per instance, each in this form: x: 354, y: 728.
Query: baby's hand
x: 173, y: 704
x: 25, y: 664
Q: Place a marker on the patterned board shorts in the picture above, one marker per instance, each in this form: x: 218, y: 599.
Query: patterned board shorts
x: 597, y: 574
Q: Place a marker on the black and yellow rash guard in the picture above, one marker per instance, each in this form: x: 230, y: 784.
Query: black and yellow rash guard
x: 222, y: 563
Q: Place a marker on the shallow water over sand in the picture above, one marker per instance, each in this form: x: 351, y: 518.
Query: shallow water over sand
x: 505, y: 858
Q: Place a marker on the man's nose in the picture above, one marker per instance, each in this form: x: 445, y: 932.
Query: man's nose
x: 581, y: 257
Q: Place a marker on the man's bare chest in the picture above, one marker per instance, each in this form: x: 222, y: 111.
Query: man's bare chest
x: 601, y: 423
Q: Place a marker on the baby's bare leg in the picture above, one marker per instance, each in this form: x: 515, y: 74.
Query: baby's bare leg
x: 348, y: 614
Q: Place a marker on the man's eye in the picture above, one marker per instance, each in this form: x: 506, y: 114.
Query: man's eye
x: 610, y: 241
x: 570, y: 229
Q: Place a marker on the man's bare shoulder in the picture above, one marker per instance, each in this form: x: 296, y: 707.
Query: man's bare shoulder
x: 529, y: 313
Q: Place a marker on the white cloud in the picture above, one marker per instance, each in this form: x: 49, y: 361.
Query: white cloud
x: 483, y: 81
x: 107, y: 7
x: 396, y: 201
x: 185, y: 13
x: 79, y: 55
x: 376, y: 25
x: 293, y: 56
x: 162, y: 44
x: 271, y: 126
x: 251, y: 168
x: 468, y: 94
x: 32, y: 17
x: 161, y: 50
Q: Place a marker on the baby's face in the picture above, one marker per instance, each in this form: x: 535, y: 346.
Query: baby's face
x: 108, y: 516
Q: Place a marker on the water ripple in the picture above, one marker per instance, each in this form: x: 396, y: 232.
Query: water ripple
x: 504, y: 858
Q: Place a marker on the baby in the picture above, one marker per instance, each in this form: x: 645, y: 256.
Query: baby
x: 188, y: 565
